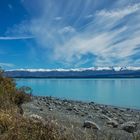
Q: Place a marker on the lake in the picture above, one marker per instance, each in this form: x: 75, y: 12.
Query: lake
x: 117, y: 92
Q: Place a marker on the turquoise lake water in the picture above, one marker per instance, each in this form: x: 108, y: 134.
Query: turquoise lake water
x: 117, y: 92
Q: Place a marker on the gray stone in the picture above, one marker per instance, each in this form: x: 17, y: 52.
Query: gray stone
x: 129, y: 126
x: 90, y: 124
x: 50, y: 109
x: 122, y: 109
x: 35, y: 116
x: 41, y: 109
x: 90, y: 116
x: 102, y: 116
x: 128, y: 115
x: 113, y: 123
x: 75, y: 108
x: 69, y: 109
x: 104, y: 111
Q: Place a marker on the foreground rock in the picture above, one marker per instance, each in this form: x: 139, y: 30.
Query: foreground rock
x: 102, y: 122
x: 113, y: 123
x: 129, y: 126
x: 90, y: 124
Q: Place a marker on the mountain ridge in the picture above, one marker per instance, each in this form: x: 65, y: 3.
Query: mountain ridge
x: 81, y: 69
x: 93, y: 72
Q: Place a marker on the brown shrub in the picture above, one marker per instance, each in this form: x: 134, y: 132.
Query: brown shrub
x: 13, y: 126
x: 9, y: 94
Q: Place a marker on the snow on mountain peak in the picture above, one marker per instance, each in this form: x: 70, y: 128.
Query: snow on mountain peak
x: 80, y: 69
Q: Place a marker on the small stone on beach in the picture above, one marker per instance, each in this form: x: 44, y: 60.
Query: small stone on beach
x: 129, y: 126
x: 90, y: 124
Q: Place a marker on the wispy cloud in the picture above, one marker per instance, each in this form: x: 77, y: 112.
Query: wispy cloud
x: 111, y: 35
x: 15, y: 38
x: 58, y: 18
x: 10, y: 6
x: 89, y: 16
x: 111, y: 47
x: 119, y: 13
x: 101, y: 45
x: 67, y: 29
x: 6, y: 65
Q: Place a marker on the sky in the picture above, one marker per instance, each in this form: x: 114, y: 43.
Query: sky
x: 69, y: 33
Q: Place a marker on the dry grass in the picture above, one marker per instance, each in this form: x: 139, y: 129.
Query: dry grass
x: 13, y: 126
x: 137, y: 136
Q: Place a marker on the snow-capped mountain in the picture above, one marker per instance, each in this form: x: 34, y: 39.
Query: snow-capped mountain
x: 78, y: 72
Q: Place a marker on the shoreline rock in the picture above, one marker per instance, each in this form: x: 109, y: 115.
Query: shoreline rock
x: 90, y: 124
x: 77, y: 115
x: 129, y: 126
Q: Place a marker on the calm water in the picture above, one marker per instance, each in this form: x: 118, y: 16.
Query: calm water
x: 118, y: 92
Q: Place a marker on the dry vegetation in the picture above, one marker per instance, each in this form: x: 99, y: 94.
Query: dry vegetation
x: 13, y: 126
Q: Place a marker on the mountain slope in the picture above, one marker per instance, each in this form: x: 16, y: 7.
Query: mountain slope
x: 94, y: 72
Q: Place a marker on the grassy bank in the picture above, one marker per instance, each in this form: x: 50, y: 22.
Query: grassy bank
x: 13, y: 126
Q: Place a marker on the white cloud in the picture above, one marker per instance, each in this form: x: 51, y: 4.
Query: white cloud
x: 58, y: 18
x: 111, y: 47
x: 10, y: 6
x: 15, y: 37
x: 67, y: 29
x: 89, y: 16
x: 119, y: 13
x: 104, y: 37
x: 6, y: 65
x: 100, y: 45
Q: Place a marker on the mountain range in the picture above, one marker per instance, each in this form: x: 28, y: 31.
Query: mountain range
x: 93, y: 72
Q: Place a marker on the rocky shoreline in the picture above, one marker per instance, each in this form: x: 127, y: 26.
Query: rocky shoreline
x: 86, y: 121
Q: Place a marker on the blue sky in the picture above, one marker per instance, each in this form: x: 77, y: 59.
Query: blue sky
x: 69, y: 33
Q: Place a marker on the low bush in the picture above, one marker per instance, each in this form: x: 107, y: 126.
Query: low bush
x: 13, y: 126
x: 11, y: 95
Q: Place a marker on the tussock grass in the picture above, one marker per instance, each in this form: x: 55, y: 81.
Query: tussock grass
x: 137, y: 136
x: 13, y: 126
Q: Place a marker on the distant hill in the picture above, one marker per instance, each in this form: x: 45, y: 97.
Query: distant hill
x: 94, y: 72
